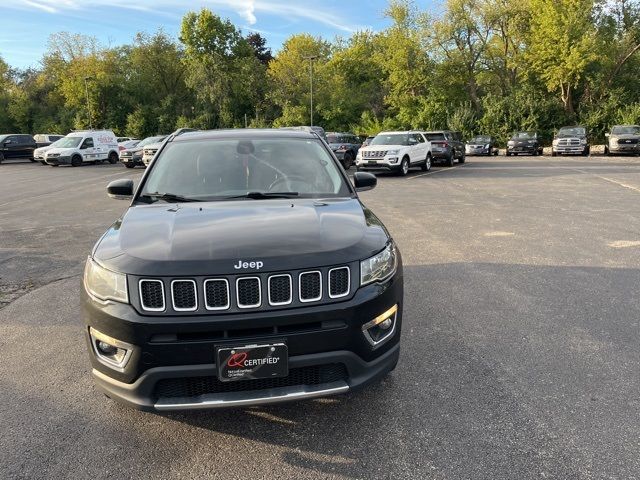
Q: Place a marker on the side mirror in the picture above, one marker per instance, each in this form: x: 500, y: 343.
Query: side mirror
x: 120, y: 189
x: 364, y: 181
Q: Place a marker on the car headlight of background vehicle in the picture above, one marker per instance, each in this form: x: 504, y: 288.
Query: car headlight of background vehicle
x: 555, y: 141
x: 614, y: 141
x: 105, y: 284
x: 511, y: 143
x: 380, y: 266
x: 583, y: 141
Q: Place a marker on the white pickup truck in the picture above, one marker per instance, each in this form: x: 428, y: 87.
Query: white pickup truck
x: 396, y: 152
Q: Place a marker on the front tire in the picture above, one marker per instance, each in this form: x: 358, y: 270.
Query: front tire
x: 553, y: 154
x: 113, y: 158
x: 348, y: 161
x: 463, y: 158
x: 587, y: 152
x: 1, y: 157
x: 76, y: 161
x: 427, y: 164
x: 129, y: 165
x: 404, y: 167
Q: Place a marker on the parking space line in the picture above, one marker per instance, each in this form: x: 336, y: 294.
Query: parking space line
x: 435, y: 171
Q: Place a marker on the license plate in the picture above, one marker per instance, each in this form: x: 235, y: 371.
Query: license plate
x: 372, y: 162
x: 252, y: 362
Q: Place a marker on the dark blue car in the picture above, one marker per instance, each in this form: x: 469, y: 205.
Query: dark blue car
x: 345, y: 146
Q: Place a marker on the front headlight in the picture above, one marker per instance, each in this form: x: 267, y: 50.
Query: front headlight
x: 583, y: 141
x: 555, y: 141
x: 380, y: 266
x: 392, y: 152
x: 614, y: 141
x: 487, y: 146
x: 511, y: 143
x: 105, y: 284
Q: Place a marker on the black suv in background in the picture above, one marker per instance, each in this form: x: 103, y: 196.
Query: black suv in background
x: 447, y: 145
x: 345, y: 146
x: 245, y: 271
x: 16, y: 147
x: 524, y: 142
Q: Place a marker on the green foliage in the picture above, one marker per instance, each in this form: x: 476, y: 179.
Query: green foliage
x: 478, y: 66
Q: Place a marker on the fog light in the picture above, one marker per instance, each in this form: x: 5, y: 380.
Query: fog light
x: 393, y: 160
x: 109, y: 351
x: 382, y: 327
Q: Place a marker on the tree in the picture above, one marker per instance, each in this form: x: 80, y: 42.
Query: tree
x: 562, y: 45
x: 260, y: 49
x: 221, y: 68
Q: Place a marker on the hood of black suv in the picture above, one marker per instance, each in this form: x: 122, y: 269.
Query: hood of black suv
x: 213, y: 237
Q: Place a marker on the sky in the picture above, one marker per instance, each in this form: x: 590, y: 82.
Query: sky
x: 27, y: 24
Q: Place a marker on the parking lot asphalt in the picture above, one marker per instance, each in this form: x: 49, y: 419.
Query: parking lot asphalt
x: 520, y: 345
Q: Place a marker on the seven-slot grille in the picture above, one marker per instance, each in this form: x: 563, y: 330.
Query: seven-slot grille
x: 569, y: 142
x: 216, y: 294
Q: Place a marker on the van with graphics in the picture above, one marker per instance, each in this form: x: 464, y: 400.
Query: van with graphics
x: 85, y: 146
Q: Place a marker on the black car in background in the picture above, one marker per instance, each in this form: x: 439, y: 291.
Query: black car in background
x: 524, y: 142
x: 345, y: 146
x: 17, y: 146
x: 482, y: 145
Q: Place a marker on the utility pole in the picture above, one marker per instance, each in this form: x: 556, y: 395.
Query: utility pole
x: 86, y: 88
x: 311, y: 58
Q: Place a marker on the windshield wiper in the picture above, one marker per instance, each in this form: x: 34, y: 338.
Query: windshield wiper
x: 170, y: 197
x: 261, y: 195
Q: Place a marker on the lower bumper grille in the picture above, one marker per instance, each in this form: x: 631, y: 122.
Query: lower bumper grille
x: 196, y: 386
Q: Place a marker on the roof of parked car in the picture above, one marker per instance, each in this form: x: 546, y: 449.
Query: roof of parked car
x: 244, y: 133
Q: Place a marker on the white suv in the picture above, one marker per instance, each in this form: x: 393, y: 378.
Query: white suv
x: 396, y: 152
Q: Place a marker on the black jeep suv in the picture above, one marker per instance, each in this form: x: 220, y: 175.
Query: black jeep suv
x: 245, y: 271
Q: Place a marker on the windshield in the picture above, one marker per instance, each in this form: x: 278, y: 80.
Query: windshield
x: 220, y: 169
x: 565, y: 131
x: 68, y: 142
x: 626, y: 130
x: 524, y: 136
x: 149, y: 140
x: 480, y: 139
x: 391, y: 139
x: 335, y: 139
x: 57, y: 143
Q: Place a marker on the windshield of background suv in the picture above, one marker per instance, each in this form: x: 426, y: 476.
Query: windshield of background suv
x: 566, y: 131
x: 626, y: 130
x: 480, y: 139
x: 524, y: 136
x: 149, y: 140
x: 68, y: 142
x: 216, y: 169
x: 391, y: 139
x: 335, y: 139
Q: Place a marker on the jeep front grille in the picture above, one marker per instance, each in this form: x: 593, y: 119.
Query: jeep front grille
x: 152, y: 295
x: 216, y: 294
x: 248, y: 292
x: 235, y: 293
x: 280, y: 289
x: 183, y: 295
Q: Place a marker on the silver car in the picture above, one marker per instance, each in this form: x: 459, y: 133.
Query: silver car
x: 623, y: 139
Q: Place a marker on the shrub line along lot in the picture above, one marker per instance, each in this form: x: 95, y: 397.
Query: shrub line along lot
x: 520, y: 351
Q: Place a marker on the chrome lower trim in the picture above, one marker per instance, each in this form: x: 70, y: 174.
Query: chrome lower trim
x: 262, y: 397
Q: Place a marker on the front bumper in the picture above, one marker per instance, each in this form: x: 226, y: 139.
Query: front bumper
x: 132, y: 161
x: 389, y: 163
x: 58, y: 160
x: 570, y: 150
x: 189, y: 358
x: 624, y: 148
x: 477, y: 151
